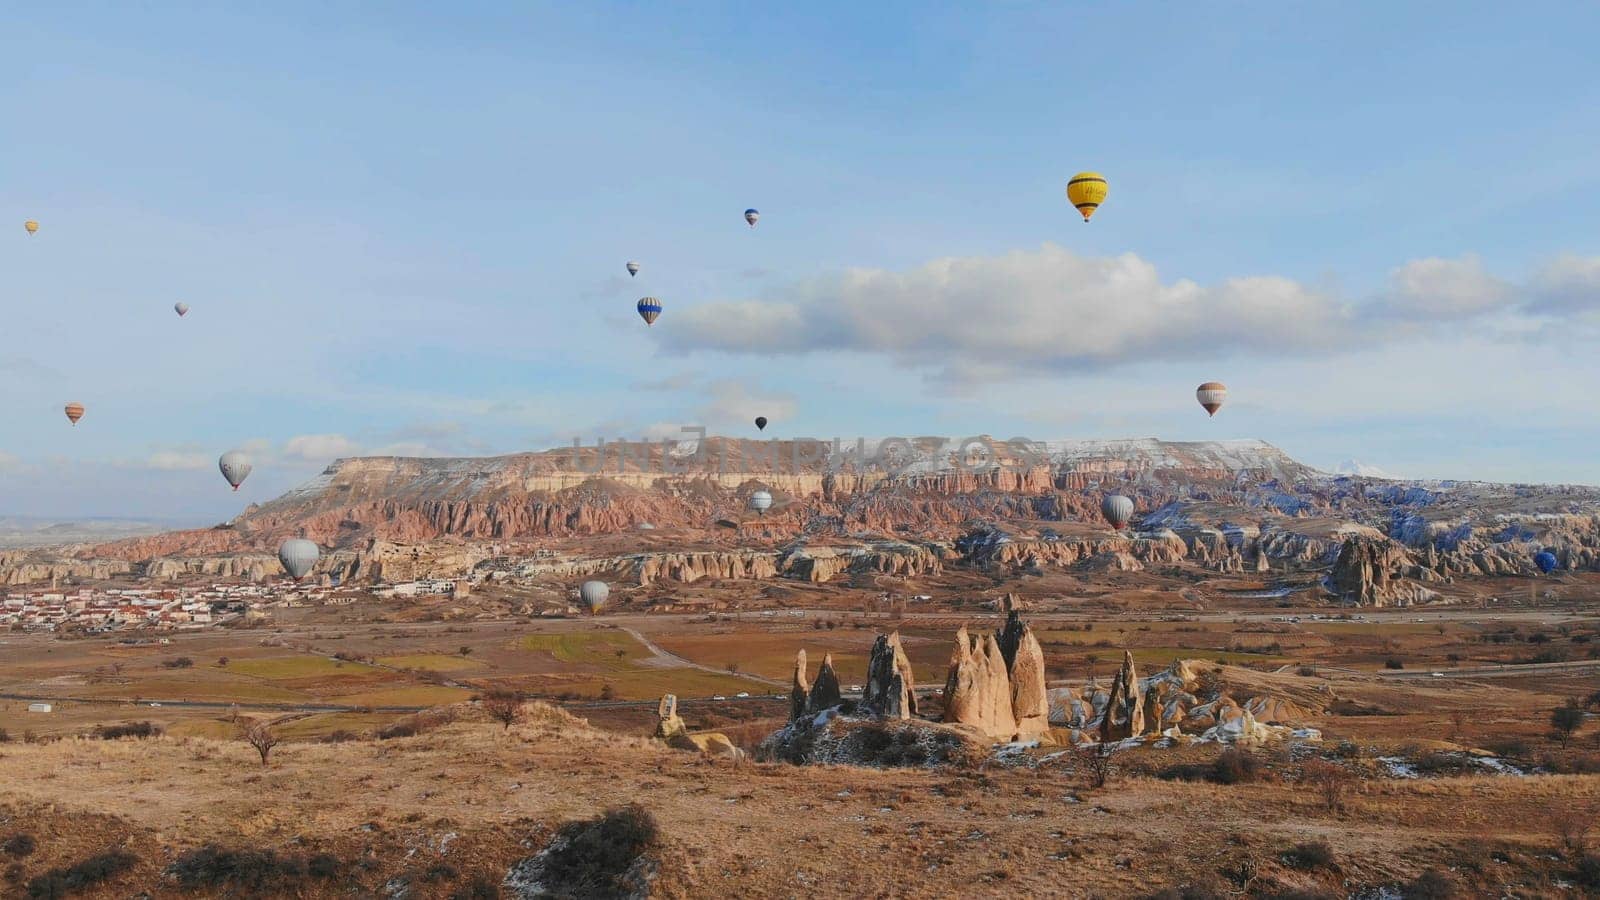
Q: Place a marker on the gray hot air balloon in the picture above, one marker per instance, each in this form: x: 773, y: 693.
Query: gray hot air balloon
x: 633, y: 268
x: 1117, y: 509
x: 752, y: 216
x: 181, y: 308
x: 594, y: 595
x: 761, y: 501
x: 235, y: 467
x: 298, y: 555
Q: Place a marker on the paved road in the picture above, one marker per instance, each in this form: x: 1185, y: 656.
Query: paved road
x: 1576, y: 667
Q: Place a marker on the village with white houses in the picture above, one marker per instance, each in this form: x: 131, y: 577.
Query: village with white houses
x: 98, y: 610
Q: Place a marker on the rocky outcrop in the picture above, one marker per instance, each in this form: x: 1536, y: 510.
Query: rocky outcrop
x: 825, y: 692
x: 670, y: 728
x: 1124, y: 715
x: 977, y: 691
x: 890, y: 691
x: 1377, y: 572
x: 800, y: 688
x: 1029, y: 704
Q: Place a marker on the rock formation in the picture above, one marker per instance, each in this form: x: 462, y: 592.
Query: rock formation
x: 1377, y: 572
x: 670, y: 728
x: 1124, y: 715
x: 825, y: 690
x: 800, y: 689
x: 890, y: 691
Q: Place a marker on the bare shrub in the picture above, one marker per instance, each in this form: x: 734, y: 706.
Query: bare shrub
x: 1433, y: 884
x: 128, y: 729
x: 248, y: 871
x: 597, y: 857
x: 1236, y: 766
x: 259, y: 735
x: 1095, y: 762
x: 503, y: 706
x: 1310, y: 855
x: 19, y: 845
x: 1331, y: 781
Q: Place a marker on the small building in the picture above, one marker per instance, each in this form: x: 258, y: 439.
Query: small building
x: 40, y: 708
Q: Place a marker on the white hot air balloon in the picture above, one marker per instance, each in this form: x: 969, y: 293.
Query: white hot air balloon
x: 594, y: 595
x: 1118, y: 510
x: 298, y: 556
x: 1212, y: 395
x: 761, y: 501
x: 235, y: 467
x: 752, y: 216
x: 633, y: 268
x: 181, y: 308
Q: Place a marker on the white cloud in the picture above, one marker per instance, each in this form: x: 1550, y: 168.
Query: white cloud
x: 985, y: 318
x: 1436, y: 288
x: 179, y: 461
x: 320, y: 447
x: 1568, y: 284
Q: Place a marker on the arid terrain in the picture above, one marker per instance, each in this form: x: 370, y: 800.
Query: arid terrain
x: 1341, y: 687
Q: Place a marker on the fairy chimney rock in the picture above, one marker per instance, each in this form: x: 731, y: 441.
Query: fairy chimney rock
x: 800, y: 690
x: 1124, y: 717
x: 825, y: 690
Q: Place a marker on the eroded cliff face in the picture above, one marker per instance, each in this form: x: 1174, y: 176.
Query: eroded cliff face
x: 1231, y: 507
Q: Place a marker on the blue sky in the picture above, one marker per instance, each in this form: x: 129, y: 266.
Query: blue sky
x: 403, y: 229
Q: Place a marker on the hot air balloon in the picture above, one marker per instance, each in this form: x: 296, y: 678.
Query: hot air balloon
x: 1118, y: 510
x: 761, y: 501
x: 752, y: 216
x: 31, y: 226
x: 649, y: 309
x: 1211, y: 395
x: 298, y: 556
x: 594, y: 595
x: 235, y: 467
x: 1546, y: 561
x: 181, y: 308
x: 633, y: 268
x: 1086, y: 191
x: 761, y: 423
x: 74, y: 412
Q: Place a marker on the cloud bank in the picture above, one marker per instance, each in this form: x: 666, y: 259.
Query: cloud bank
x: 986, y: 318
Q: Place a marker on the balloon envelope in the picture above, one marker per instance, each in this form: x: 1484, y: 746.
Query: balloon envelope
x: 31, y: 226
x: 235, y: 467
x: 752, y: 216
x: 1086, y: 191
x: 182, y: 309
x: 74, y: 412
x: 761, y: 423
x: 1211, y: 395
x: 633, y: 268
x: 1117, y: 509
x: 649, y: 309
x: 298, y: 556
x: 761, y: 501
x: 594, y: 594
x: 1546, y: 561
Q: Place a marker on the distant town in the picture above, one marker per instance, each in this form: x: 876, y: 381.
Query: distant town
x: 99, y: 610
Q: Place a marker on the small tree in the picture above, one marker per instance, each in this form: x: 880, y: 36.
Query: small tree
x: 733, y: 668
x: 607, y: 692
x: 465, y: 650
x: 259, y: 735
x: 622, y: 653
x: 222, y: 662
x: 1331, y: 781
x: 503, y: 706
x: 1566, y: 720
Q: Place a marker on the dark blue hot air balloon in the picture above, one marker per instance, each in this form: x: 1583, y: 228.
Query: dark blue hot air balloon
x: 1546, y: 561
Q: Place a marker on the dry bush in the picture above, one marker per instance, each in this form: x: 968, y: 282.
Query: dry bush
x: 1434, y: 884
x: 128, y: 729
x: 18, y: 845
x: 417, y: 723
x: 1310, y: 855
x: 1332, y: 782
x: 1236, y: 766
x: 1095, y: 762
x: 254, y: 872
x: 597, y: 858
x: 80, y: 876
x: 503, y: 706
x: 1571, y: 829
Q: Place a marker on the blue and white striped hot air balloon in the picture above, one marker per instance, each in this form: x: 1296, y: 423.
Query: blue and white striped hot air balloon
x: 752, y: 216
x: 649, y: 309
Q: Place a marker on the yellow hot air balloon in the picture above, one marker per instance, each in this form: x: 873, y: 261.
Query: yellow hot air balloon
x: 31, y: 225
x: 1087, y: 190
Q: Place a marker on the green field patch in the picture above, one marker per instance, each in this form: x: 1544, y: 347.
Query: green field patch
x: 1379, y: 628
x: 607, y: 649
x: 216, y: 687
x: 430, y: 662
x: 772, y: 655
x: 649, y: 684
x: 276, y: 668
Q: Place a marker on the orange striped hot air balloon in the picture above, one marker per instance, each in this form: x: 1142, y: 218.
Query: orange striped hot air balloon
x: 1211, y: 396
x: 74, y: 412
